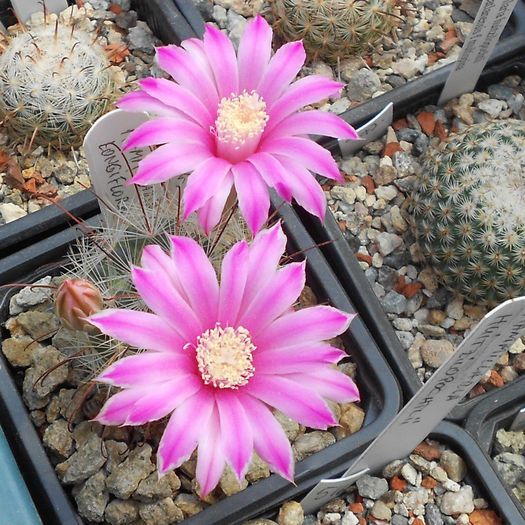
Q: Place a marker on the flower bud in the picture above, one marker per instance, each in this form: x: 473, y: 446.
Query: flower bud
x: 75, y: 300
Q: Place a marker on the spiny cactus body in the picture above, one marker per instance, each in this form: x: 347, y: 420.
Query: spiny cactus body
x: 334, y: 29
x: 54, y: 83
x: 469, y: 211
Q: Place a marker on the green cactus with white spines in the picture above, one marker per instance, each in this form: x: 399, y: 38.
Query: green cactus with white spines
x: 469, y: 211
x: 55, y: 81
x: 333, y: 30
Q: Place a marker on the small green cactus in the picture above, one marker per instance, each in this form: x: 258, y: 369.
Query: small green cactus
x: 334, y: 29
x: 55, y: 81
x: 469, y: 211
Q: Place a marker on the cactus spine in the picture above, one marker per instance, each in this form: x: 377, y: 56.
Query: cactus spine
x: 469, y: 211
x: 334, y: 29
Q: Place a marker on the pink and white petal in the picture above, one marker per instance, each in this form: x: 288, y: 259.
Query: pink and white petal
x: 236, y: 431
x: 191, y: 70
x: 118, y: 407
x: 183, y: 430
x: 162, y: 399
x: 233, y: 280
x: 138, y: 101
x: 138, y: 329
x: 301, y: 93
x: 306, y: 152
x: 274, y: 298
x: 165, y: 129
x: 210, y: 456
x: 180, y: 98
x: 328, y: 383
x: 269, y: 438
x: 155, y: 259
x: 314, y: 122
x: 294, y: 399
x: 254, y: 53
x: 148, y: 368
x: 282, y: 69
x: 195, y: 48
x: 168, y: 161
x: 266, y: 251
x: 306, y: 189
x: 252, y: 192
x: 223, y: 61
x: 203, y: 183
x: 200, y: 280
x: 295, y: 359
x: 210, y: 213
x: 306, y: 326
x: 161, y: 297
x: 272, y: 173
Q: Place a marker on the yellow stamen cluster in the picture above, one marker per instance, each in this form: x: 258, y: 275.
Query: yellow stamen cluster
x: 240, y: 117
x: 224, y: 357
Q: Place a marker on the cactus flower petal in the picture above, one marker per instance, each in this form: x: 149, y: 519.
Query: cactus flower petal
x: 226, y: 376
x: 239, y: 100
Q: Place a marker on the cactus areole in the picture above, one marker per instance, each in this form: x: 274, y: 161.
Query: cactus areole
x: 469, y: 211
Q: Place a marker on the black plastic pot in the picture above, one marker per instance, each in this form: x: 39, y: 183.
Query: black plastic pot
x: 175, y: 20
x: 172, y: 21
x: 379, y: 389
x: 345, y: 265
x: 496, y: 411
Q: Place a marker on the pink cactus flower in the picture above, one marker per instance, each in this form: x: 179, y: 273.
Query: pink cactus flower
x: 221, y: 357
x: 232, y: 119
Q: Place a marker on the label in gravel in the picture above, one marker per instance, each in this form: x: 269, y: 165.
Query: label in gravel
x: 477, y: 48
x: 110, y: 167
x: 372, y: 130
x: 25, y: 8
x: 491, y: 338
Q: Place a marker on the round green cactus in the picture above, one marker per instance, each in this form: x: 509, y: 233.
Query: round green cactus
x: 54, y: 83
x: 469, y: 211
x: 334, y: 29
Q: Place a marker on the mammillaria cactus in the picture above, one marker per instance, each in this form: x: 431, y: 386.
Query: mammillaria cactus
x: 469, y: 210
x: 55, y: 81
x: 334, y: 29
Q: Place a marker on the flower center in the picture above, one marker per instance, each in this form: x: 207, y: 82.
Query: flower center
x: 240, y: 118
x: 224, y: 357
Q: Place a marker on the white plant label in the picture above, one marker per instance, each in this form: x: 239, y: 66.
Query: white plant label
x: 493, y: 335
x: 25, y: 8
x: 372, y: 130
x: 477, y: 48
x: 110, y: 168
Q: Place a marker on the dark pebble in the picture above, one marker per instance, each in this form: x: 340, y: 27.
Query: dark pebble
x: 500, y: 92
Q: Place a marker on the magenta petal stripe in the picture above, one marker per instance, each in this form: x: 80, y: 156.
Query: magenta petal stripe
x: 282, y: 69
x: 294, y: 399
x: 164, y: 300
x: 181, y: 436
x: 117, y: 408
x: 201, y: 187
x: 138, y: 329
x: 190, y: 69
x: 254, y: 53
x: 233, y: 281
x: 273, y: 173
x: 178, y: 97
x: 148, y: 368
x: 329, y: 383
x: 310, y: 324
x: 162, y: 130
x: 210, y: 214
x: 269, y: 439
x: 274, y: 298
x: 139, y: 101
x: 236, y: 431
x: 210, y: 458
x: 252, y: 192
x: 169, y: 161
x: 309, y: 153
x: 201, y: 287
x: 223, y: 61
